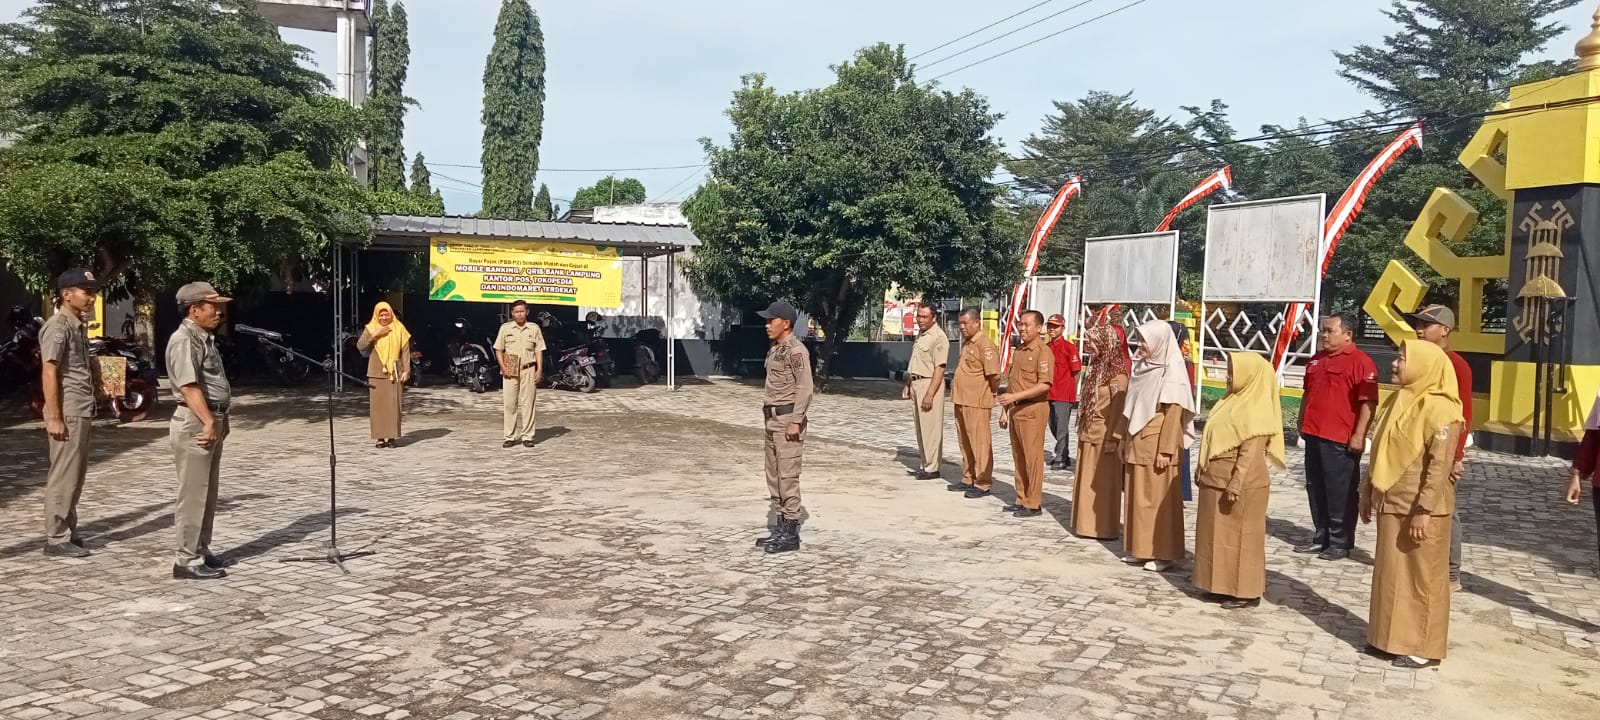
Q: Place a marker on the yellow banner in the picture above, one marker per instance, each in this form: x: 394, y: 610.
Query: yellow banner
x: 474, y: 270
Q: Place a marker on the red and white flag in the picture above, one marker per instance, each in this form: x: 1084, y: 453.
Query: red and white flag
x: 1219, y: 180
x: 1030, y: 260
x: 1337, y: 222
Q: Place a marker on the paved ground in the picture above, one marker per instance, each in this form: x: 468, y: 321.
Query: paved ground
x: 609, y: 573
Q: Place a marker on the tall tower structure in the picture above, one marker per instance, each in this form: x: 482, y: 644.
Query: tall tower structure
x: 351, y: 22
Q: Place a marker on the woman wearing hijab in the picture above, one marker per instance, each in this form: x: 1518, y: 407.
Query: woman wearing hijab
x: 1584, y: 464
x: 1097, y: 485
x: 1411, y: 488
x: 1243, y: 432
x: 1158, y: 417
x: 387, y: 345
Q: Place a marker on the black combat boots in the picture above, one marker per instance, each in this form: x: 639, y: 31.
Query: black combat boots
x: 786, y: 538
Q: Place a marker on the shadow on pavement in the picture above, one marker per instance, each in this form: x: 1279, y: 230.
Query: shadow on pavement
x: 153, y: 517
x: 304, y: 527
x: 26, y: 458
x: 1336, y: 620
x: 1514, y: 598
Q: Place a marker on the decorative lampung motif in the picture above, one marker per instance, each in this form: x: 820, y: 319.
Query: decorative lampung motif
x: 1542, y: 262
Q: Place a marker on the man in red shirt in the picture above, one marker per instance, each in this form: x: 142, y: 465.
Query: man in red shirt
x: 1434, y: 324
x: 1341, y: 392
x: 1064, y: 390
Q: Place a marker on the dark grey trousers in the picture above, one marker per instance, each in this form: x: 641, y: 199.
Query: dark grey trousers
x: 1060, y: 428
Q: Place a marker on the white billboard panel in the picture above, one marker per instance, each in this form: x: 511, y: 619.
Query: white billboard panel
x: 1264, y: 250
x: 1131, y: 269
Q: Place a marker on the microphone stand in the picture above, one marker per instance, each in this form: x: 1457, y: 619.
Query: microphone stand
x: 333, y: 554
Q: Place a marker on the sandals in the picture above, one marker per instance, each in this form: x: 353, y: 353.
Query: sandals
x: 385, y: 444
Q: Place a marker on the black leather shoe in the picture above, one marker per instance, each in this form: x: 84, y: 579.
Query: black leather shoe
x: 1310, y: 548
x: 1238, y: 604
x: 217, y: 563
x: 1012, y: 508
x: 927, y: 475
x: 762, y: 541
x: 197, y: 572
x: 1334, y: 554
x: 1066, y: 464
x: 1026, y: 512
x: 66, y: 549
x: 786, y: 539
x: 958, y: 487
x: 1411, y: 663
x: 508, y: 443
x: 527, y: 443
x: 976, y: 493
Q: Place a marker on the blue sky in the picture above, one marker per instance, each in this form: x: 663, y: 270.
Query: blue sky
x: 635, y: 83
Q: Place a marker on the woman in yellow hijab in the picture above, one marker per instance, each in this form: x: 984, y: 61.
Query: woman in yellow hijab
x: 1411, y: 488
x: 1243, y: 432
x: 387, y: 345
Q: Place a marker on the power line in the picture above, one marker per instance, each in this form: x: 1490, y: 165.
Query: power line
x: 663, y: 194
x: 1005, y: 35
x: 1041, y: 39
x: 1024, y: 11
x: 582, y: 170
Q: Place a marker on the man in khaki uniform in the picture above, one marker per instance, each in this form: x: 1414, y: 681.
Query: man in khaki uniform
x: 519, y: 347
x: 977, y: 379
x: 1027, y: 412
x: 784, y: 403
x: 69, y: 380
x: 199, y: 427
x: 925, y: 389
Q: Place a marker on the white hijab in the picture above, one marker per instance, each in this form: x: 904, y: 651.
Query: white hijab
x: 1158, y: 379
x: 1593, y: 423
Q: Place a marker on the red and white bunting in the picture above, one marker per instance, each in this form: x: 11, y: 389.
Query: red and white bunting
x: 1333, y: 228
x: 1219, y: 180
x: 1030, y: 261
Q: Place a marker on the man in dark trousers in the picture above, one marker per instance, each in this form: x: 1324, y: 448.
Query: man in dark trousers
x: 1341, y: 392
x: 1063, y: 390
x: 1434, y: 324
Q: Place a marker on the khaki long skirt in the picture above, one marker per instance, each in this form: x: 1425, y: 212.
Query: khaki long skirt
x: 1410, y: 607
x: 1154, y: 513
x: 384, y: 408
x: 1230, y: 543
x: 1096, y: 493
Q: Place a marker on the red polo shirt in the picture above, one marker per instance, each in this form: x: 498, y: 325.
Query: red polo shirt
x: 1336, y: 384
x: 1064, y: 388
x: 1464, y: 386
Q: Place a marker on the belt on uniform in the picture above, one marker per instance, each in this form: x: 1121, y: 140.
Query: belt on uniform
x: 527, y: 365
x: 218, y: 408
x: 920, y: 377
x: 772, y: 411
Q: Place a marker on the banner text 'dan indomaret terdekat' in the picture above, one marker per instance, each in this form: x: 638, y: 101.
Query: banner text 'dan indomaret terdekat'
x: 474, y: 270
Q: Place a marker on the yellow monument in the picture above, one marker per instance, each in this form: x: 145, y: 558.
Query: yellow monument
x: 1548, y: 361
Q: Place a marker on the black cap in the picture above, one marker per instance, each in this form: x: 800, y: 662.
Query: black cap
x: 78, y: 278
x: 780, y: 309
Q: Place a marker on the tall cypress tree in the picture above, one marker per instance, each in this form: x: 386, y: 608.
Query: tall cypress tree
x: 542, y: 209
x: 513, y: 112
x: 421, y: 178
x: 387, y: 102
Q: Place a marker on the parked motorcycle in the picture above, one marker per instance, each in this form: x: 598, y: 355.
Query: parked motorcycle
x: 288, y: 369
x: 471, y: 363
x: 574, y: 370
x: 562, y: 339
x: 645, y: 367
x: 141, y: 383
x: 19, y: 355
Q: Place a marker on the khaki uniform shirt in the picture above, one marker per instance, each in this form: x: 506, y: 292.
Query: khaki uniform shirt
x: 979, y: 361
x: 1163, y: 435
x: 526, y: 342
x: 789, y: 379
x: 1031, y: 366
x: 931, y: 350
x: 192, y: 359
x: 1426, y: 485
x: 1237, y: 470
x: 64, y: 340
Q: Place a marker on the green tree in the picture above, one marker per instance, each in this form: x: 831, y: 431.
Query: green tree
x: 421, y: 178
x: 609, y: 191
x: 1446, y: 59
x: 826, y: 197
x: 162, y: 142
x: 542, y: 209
x: 513, y: 112
x: 387, y: 102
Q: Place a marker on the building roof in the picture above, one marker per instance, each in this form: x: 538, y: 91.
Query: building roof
x: 414, y: 231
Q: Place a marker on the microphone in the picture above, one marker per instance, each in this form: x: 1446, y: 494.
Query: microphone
x: 258, y: 332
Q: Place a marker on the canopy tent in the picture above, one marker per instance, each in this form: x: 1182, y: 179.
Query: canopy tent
x: 413, y: 233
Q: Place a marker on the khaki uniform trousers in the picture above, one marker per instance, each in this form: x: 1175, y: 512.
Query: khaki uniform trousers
x: 198, y: 469
x: 929, y: 423
x: 1028, y: 423
x: 977, y: 445
x: 520, y: 393
x: 783, y: 469
x: 69, y: 463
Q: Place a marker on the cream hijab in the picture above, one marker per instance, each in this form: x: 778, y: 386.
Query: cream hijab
x: 1158, y: 379
x: 1428, y: 400
x: 1251, y: 409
